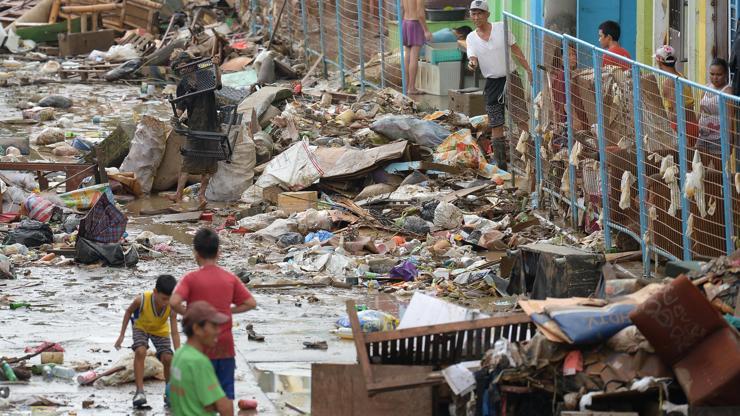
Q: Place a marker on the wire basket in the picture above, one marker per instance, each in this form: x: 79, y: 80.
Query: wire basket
x: 196, y: 77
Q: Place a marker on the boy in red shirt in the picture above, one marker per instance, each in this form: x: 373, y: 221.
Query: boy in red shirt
x: 221, y: 289
x: 609, y: 33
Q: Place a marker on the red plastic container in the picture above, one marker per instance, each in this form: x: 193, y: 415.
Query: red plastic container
x: 247, y: 404
x: 206, y: 216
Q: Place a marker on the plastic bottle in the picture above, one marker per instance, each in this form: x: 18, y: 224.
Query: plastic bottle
x: 86, y: 377
x: 63, y: 372
x: 9, y: 373
x: 46, y: 372
x: 18, y: 305
x: 247, y: 404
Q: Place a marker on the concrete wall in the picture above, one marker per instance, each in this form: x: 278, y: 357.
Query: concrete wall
x: 560, y: 16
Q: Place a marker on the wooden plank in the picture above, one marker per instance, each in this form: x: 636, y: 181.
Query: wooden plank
x: 450, y: 327
x: 182, y: 217
x: 405, y: 381
x: 418, y: 349
x: 359, y: 338
x: 487, y: 343
x: 54, y: 13
x: 91, y: 8
x: 338, y: 389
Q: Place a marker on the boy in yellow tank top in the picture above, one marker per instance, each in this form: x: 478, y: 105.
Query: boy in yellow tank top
x: 153, y: 320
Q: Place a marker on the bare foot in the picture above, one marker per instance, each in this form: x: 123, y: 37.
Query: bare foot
x: 174, y: 198
x: 415, y: 92
x: 203, y: 203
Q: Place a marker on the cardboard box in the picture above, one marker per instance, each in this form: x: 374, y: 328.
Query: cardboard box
x: 291, y: 202
x: 469, y: 101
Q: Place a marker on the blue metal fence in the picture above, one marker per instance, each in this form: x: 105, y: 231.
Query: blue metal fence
x: 636, y: 126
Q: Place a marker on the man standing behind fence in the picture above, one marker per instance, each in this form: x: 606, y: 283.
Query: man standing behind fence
x: 487, y: 51
x: 415, y: 33
x: 609, y: 34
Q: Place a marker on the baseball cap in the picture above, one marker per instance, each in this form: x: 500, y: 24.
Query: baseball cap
x: 665, y: 54
x: 479, y: 5
x: 202, y: 311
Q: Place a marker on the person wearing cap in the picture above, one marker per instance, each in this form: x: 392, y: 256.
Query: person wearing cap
x: 487, y: 51
x: 609, y: 34
x: 665, y: 56
x: 194, y: 387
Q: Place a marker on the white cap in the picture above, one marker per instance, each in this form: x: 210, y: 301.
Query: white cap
x: 479, y: 5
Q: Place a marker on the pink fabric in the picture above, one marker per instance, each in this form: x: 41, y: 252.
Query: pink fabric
x: 413, y: 33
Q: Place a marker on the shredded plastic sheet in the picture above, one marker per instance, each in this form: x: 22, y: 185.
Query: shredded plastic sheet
x: 565, y: 182
x: 690, y: 226
x: 669, y: 172
x: 737, y: 183
x: 626, y: 186
x: 575, y: 153
x: 521, y: 145
x: 695, y: 185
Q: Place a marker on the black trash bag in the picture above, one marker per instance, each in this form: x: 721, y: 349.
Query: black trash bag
x: 290, y: 239
x: 427, y: 210
x: 31, y: 233
x: 416, y: 225
x: 111, y: 254
x: 122, y: 71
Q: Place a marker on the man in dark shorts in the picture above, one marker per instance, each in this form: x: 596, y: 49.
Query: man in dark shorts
x: 202, y: 115
x: 487, y: 51
x: 415, y: 33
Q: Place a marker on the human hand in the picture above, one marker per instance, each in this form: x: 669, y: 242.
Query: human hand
x: 473, y: 64
x: 216, y: 59
x: 428, y: 35
x: 118, y: 343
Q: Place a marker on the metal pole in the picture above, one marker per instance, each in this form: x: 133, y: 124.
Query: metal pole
x: 304, y: 23
x: 602, y: 148
x: 726, y: 180
x: 381, y: 25
x: 269, y: 17
x: 682, y: 166
x: 253, y: 10
x: 340, y: 46
x: 637, y: 115
x: 362, y: 46
x: 321, y: 38
x: 569, y: 120
x: 399, y: 20
x: 535, y: 87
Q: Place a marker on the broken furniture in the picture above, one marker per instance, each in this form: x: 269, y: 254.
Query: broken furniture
x: 433, y: 345
x: 547, y: 270
x: 75, y: 172
x: 91, y: 13
x: 692, y: 337
x: 197, y: 78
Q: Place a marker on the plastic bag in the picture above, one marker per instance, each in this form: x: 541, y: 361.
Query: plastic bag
x: 313, y: 220
x: 290, y: 239
x: 320, y: 236
x: 695, y: 184
x: 447, y: 216
x: 295, y: 168
x: 422, y: 132
x: 460, y: 149
x: 153, y: 368
x: 38, y: 208
x: 371, y: 321
x: 111, y: 254
x: 49, y: 135
x: 277, y: 228
x: 625, y: 186
x: 86, y: 198
x: 147, y: 151
x: 233, y: 178
x: 31, y: 233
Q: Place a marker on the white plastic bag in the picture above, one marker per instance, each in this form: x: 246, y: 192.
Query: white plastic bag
x: 232, y: 179
x: 625, y: 187
x: 695, y: 185
x: 447, y: 216
x: 147, y: 151
x: 295, y: 168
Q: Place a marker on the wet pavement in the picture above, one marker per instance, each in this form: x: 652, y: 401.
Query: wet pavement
x: 82, y: 308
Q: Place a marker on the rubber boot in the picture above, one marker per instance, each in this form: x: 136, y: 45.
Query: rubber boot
x: 499, y: 153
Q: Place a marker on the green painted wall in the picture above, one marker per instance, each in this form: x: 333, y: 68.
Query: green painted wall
x: 644, y: 42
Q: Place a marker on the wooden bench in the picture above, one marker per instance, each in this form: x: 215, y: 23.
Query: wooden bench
x: 75, y: 172
x: 434, y: 345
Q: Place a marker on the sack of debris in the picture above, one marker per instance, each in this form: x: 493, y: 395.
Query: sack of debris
x: 234, y: 177
x: 147, y: 151
x: 371, y: 321
x: 31, y: 233
x: 111, y: 254
x: 422, y: 132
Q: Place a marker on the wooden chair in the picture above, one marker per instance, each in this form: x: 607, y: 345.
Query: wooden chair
x: 434, y: 345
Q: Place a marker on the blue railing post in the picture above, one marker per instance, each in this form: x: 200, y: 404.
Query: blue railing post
x: 321, y: 38
x: 726, y: 180
x: 637, y: 117
x: 362, y: 46
x: 399, y: 19
x: 682, y: 165
x: 340, y: 46
x: 569, y: 120
x: 269, y: 17
x: 253, y: 11
x: 381, y: 26
x: 304, y: 23
x: 535, y: 88
x: 605, y: 211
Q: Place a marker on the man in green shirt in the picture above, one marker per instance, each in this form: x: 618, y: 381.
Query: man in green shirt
x: 194, y: 388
